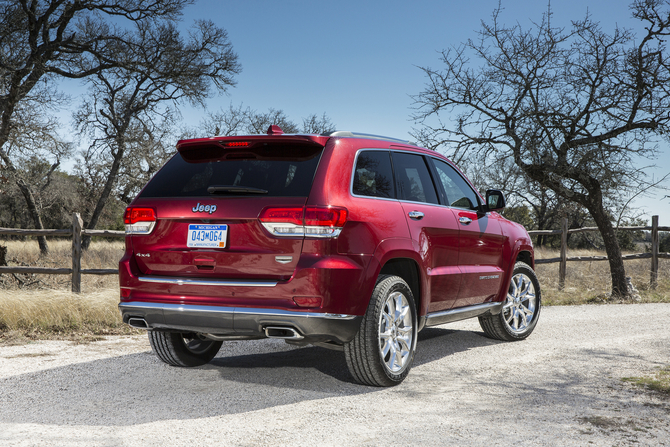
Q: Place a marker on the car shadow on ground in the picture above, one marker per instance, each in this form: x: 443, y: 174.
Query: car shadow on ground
x: 139, y: 388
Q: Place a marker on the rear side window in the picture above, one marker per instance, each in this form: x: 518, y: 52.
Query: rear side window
x: 413, y: 178
x: 373, y: 175
x: 273, y: 170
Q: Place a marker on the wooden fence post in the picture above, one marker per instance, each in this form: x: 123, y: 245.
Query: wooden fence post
x: 653, y: 282
x: 77, y: 224
x: 564, y: 254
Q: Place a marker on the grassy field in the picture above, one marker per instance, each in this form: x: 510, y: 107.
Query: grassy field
x: 41, y: 306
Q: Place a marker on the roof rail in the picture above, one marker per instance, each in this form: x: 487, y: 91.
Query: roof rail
x: 346, y: 133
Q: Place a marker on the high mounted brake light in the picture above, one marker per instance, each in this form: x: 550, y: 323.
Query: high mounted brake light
x: 139, y: 220
x: 311, y: 221
x: 235, y: 144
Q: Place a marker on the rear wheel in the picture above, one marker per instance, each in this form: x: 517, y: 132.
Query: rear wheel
x: 521, y: 308
x: 382, y: 352
x: 179, y: 349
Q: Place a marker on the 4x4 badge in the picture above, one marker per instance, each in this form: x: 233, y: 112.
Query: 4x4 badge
x: 204, y: 208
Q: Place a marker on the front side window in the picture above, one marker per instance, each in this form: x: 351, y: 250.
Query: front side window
x: 459, y: 193
x: 413, y: 178
x: 373, y: 175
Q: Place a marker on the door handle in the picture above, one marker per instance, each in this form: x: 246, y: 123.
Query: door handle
x: 465, y: 220
x: 416, y: 215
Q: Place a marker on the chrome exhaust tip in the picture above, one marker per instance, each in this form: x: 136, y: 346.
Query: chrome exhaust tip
x: 138, y: 323
x: 285, y: 333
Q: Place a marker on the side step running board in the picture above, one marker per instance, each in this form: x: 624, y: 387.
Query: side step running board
x: 462, y: 313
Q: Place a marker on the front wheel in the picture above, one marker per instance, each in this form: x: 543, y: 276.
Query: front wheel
x: 521, y: 308
x: 179, y: 349
x: 382, y: 352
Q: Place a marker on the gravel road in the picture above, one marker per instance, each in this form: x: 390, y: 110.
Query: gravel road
x: 562, y: 386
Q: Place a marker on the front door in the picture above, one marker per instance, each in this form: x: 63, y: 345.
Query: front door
x: 480, y: 239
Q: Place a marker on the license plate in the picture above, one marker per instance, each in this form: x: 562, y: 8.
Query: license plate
x: 206, y: 236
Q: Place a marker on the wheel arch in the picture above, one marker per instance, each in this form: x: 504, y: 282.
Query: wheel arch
x: 397, y: 257
x: 408, y: 270
x: 526, y: 257
x: 522, y: 250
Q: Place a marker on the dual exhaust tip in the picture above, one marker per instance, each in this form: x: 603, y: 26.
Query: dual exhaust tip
x: 138, y: 323
x: 283, y: 332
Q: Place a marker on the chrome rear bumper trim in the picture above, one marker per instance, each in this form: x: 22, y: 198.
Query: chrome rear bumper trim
x: 229, y: 323
x: 232, y: 310
x: 206, y: 282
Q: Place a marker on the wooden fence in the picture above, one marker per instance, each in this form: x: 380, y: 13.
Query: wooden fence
x: 563, y: 259
x: 77, y: 232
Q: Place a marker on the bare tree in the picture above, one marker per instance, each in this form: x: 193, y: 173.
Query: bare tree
x: 317, y: 124
x: 573, y: 108
x: 246, y: 121
x: 41, y: 40
x: 127, y: 101
x: 258, y: 122
x: 35, y: 151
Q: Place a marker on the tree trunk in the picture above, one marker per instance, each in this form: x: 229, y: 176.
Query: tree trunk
x: 617, y: 269
x: 104, y: 195
x: 34, y: 214
x: 24, y: 187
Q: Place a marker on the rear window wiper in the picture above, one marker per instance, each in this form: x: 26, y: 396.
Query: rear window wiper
x: 218, y: 189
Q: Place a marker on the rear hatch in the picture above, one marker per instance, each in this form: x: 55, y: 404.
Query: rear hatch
x: 207, y: 201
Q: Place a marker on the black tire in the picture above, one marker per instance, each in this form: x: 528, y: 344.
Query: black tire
x: 178, y: 349
x: 371, y: 354
x: 521, y: 308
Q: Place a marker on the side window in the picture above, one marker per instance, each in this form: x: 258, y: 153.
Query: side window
x: 373, y: 175
x: 413, y: 178
x: 459, y: 193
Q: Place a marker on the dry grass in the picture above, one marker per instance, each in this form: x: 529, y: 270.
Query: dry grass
x: 590, y: 281
x: 101, y: 255
x: 60, y: 314
x: 41, y: 306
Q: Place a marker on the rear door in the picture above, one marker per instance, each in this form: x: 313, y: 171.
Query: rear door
x: 207, y: 201
x: 433, y: 228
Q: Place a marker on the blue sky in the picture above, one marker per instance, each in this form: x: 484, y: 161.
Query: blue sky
x: 358, y: 61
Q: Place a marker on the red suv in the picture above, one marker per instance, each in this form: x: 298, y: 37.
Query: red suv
x: 348, y: 241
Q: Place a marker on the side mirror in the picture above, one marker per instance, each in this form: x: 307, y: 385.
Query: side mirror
x: 495, y: 200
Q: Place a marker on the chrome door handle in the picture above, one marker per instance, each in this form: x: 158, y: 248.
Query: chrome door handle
x: 416, y: 215
x: 465, y: 220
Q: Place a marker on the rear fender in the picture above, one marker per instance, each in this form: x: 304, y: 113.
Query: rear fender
x: 398, y: 248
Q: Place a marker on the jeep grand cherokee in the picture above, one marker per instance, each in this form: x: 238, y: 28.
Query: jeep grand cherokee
x: 348, y: 241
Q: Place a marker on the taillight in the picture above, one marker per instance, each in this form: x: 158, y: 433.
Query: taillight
x: 285, y: 215
x: 328, y: 217
x: 139, y: 220
x: 311, y: 221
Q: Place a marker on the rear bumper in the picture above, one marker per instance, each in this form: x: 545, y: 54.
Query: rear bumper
x: 242, y: 322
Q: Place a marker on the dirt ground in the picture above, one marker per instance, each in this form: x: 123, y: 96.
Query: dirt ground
x: 561, y: 386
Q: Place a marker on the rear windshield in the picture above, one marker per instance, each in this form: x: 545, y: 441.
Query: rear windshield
x: 273, y: 170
